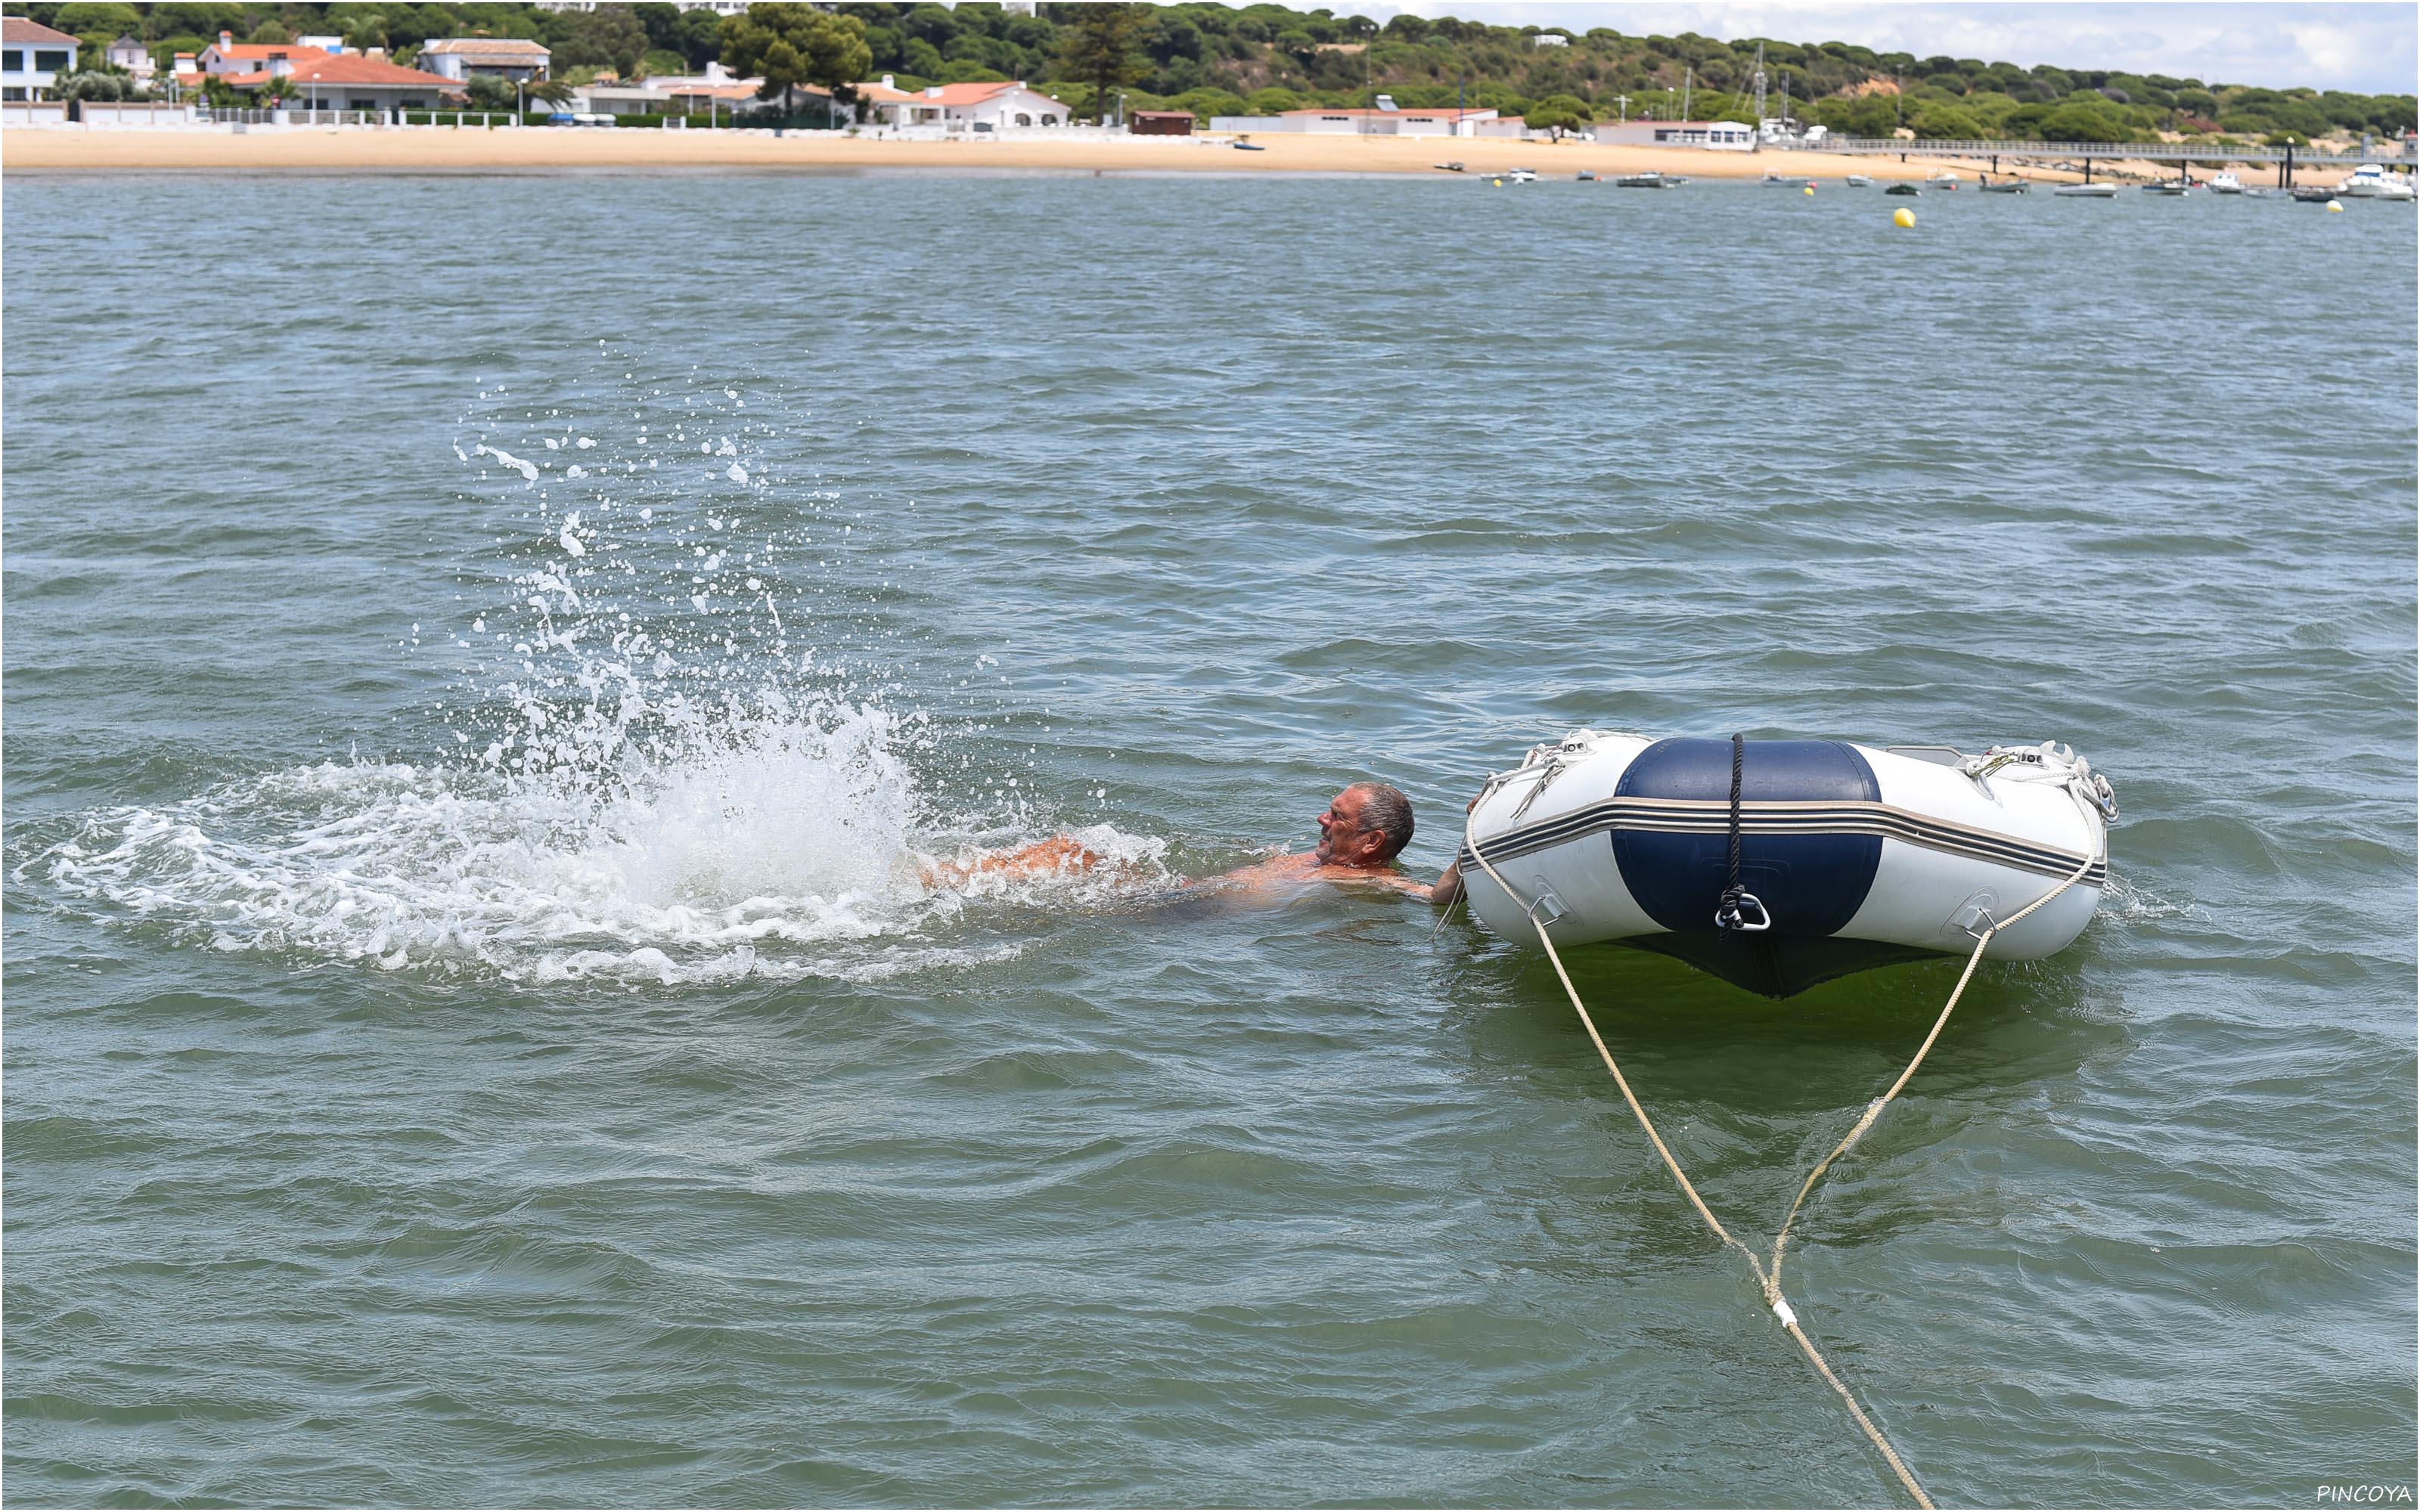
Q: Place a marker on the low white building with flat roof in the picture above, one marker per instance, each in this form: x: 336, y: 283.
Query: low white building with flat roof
x: 1722, y: 136
x: 1442, y: 120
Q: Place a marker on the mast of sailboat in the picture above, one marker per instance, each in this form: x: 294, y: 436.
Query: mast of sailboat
x: 1759, y: 87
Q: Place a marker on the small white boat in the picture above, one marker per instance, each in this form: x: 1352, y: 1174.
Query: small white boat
x: 2225, y: 183
x: 2087, y: 191
x: 1945, y: 179
x: 1521, y: 176
x: 1858, y: 180
x: 1849, y: 856
x: 2171, y: 188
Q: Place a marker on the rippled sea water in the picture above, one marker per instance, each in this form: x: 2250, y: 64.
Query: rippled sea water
x: 467, y: 1046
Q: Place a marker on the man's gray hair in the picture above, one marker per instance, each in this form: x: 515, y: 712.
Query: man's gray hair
x: 1385, y: 808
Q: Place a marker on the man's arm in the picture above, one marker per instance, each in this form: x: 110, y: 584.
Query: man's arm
x: 1449, y: 889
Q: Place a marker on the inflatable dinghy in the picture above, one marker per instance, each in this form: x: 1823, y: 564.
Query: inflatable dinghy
x: 1779, y: 864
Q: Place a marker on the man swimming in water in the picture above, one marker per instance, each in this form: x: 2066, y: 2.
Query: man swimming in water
x: 1365, y: 827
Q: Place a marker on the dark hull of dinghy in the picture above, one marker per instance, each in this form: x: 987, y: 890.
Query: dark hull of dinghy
x: 1777, y: 966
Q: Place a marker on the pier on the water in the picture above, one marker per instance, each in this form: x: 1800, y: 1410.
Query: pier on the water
x: 2085, y: 154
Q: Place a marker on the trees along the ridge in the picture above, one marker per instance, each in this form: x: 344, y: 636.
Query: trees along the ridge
x: 1099, y: 45
x: 793, y: 45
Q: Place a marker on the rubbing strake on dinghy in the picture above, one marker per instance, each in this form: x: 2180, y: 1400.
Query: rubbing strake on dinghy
x: 1847, y: 856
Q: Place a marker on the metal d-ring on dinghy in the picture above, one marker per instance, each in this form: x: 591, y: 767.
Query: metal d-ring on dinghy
x: 1779, y: 864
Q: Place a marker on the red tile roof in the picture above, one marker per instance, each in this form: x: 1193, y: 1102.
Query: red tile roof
x: 261, y: 52
x: 965, y: 94
x: 948, y: 94
x: 18, y: 31
x: 329, y: 68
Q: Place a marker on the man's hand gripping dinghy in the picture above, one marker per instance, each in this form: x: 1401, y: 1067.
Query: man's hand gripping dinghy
x: 1779, y: 864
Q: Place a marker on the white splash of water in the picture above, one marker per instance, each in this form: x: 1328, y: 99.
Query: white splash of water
x: 643, y: 780
x: 2125, y: 903
x: 786, y: 832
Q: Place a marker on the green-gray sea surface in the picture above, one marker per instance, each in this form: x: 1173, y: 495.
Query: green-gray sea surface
x: 401, y: 1113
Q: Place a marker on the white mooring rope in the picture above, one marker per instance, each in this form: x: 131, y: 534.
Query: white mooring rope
x: 1769, y: 1277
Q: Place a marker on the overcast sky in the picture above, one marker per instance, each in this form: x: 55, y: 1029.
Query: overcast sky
x: 2374, y: 49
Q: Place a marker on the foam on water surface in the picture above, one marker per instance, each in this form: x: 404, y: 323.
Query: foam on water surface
x: 647, y: 771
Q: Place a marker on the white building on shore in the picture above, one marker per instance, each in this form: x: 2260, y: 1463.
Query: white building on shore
x: 32, y: 57
x: 1384, y: 120
x: 1721, y: 136
x: 128, y: 53
x: 319, y: 81
x: 964, y: 107
x: 460, y: 58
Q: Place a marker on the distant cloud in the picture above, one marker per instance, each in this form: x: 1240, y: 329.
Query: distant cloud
x: 2374, y: 49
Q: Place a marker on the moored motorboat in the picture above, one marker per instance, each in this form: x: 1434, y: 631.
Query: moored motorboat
x: 2372, y: 180
x: 2312, y: 194
x: 1858, y: 180
x: 2006, y: 186
x: 1645, y: 180
x: 1908, y: 190
x: 2087, y: 191
x: 1777, y: 864
x: 1521, y: 176
x: 2225, y: 183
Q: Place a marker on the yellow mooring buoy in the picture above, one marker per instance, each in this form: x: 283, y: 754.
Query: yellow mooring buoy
x: 1903, y: 219
x: 2334, y: 207
x: 1809, y: 189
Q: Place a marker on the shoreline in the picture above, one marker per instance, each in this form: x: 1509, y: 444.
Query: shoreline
x: 377, y: 150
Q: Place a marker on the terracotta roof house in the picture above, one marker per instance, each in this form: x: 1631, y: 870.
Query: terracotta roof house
x: 226, y: 56
x: 980, y: 107
x: 348, y: 83
x: 32, y: 57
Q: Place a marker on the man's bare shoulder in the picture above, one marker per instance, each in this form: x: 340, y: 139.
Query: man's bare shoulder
x: 1292, y: 871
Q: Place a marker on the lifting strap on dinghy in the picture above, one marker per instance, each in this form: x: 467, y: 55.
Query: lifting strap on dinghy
x: 1740, y: 909
x: 1768, y: 1276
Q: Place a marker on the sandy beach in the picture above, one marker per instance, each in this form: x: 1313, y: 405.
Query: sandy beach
x: 413, y: 148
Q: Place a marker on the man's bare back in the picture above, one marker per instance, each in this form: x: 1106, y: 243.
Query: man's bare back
x: 1365, y: 827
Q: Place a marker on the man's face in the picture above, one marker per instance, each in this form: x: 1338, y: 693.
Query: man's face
x: 1340, y: 830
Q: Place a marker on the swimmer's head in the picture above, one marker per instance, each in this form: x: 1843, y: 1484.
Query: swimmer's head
x: 1368, y: 824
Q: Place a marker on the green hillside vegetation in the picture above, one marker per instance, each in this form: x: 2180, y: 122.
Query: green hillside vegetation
x: 1263, y: 59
